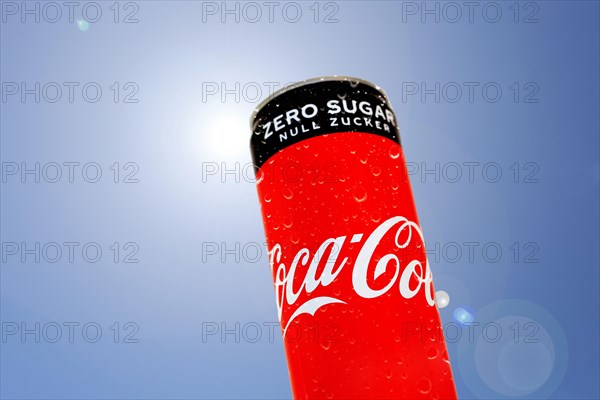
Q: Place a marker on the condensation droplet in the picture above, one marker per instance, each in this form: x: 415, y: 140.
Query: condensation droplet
x: 287, y: 193
x: 445, y: 357
x: 287, y: 222
x: 260, y: 176
x: 432, y: 353
x: 375, y: 217
x: 395, y: 151
x: 376, y: 171
x: 424, y: 385
x: 359, y: 193
x: 267, y: 198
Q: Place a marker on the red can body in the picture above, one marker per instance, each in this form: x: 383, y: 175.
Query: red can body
x: 353, y: 286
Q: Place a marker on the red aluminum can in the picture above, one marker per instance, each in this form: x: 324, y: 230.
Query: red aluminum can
x: 353, y: 287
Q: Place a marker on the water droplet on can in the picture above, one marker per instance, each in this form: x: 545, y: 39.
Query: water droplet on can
x: 287, y: 193
x: 260, y: 176
x: 359, y: 193
x: 375, y: 217
x: 432, y: 353
x: 424, y: 385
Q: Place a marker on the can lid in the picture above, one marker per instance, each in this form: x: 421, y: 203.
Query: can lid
x: 328, y: 78
x: 319, y: 106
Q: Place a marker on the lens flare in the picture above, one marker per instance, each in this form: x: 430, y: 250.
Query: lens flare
x: 463, y: 316
x: 83, y: 25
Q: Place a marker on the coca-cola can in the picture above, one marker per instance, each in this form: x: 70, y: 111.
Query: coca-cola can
x: 353, y: 286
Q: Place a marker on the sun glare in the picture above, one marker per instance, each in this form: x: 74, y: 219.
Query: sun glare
x: 226, y: 137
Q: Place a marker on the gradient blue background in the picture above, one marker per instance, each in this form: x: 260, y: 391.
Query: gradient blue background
x: 172, y: 134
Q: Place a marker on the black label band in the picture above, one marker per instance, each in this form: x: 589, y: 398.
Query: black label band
x: 317, y: 108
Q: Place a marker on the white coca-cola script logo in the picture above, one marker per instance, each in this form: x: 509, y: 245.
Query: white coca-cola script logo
x: 284, y: 276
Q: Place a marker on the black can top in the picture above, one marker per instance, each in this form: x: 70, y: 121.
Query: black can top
x: 319, y: 106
